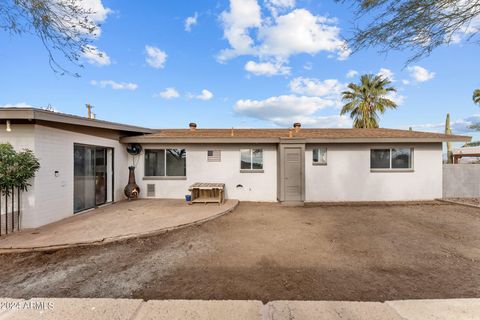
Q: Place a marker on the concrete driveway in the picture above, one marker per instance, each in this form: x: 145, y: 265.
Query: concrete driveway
x: 121, y: 220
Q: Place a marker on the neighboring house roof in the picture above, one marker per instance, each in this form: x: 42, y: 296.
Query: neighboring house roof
x: 277, y: 135
x: 29, y: 115
x: 467, y: 151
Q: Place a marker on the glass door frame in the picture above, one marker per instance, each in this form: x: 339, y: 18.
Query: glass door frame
x: 107, y: 181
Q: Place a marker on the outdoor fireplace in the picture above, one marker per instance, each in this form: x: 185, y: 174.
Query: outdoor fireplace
x: 132, y: 190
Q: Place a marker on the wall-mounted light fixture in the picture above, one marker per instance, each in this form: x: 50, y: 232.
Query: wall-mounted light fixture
x: 9, y: 128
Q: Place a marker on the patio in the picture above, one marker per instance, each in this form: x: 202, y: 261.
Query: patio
x: 121, y: 220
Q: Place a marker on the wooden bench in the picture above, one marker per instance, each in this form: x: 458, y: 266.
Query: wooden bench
x: 207, y: 192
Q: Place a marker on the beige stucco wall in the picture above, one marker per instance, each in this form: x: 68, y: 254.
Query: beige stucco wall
x: 256, y: 186
x: 51, y: 198
x: 347, y: 176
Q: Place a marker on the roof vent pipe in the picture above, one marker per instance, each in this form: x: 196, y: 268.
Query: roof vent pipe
x: 192, y: 126
x: 297, y: 126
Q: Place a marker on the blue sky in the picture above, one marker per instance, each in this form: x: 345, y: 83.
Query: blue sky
x: 248, y: 63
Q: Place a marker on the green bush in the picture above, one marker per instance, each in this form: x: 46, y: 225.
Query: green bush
x: 16, y: 168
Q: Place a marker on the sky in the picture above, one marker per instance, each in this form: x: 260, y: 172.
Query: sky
x: 237, y: 63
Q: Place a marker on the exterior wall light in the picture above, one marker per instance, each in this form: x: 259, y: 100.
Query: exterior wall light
x: 9, y: 128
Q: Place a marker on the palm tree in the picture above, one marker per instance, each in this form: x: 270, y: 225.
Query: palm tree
x: 476, y: 96
x: 367, y: 99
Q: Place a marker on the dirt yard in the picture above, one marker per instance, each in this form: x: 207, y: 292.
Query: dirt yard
x: 268, y: 252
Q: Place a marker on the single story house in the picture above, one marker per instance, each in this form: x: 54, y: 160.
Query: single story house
x: 84, y: 162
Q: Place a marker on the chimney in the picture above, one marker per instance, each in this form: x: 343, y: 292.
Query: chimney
x: 297, y: 126
x: 89, y: 111
x: 192, y: 126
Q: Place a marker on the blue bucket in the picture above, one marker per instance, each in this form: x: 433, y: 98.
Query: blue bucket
x: 188, y: 198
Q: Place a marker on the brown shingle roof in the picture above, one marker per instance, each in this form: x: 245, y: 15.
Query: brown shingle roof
x: 306, y: 133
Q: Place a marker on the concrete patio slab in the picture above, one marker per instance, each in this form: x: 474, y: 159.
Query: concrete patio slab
x: 79, y: 309
x: 437, y: 309
x: 200, y: 310
x: 122, y: 220
x: 330, y: 310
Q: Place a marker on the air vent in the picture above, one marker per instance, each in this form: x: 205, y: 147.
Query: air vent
x: 214, y: 156
x: 150, y: 190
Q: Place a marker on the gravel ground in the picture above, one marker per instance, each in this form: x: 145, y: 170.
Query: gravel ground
x: 264, y: 251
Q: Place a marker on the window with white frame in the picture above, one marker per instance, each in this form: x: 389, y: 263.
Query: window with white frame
x: 391, y: 159
x: 251, y: 159
x: 319, y: 156
x: 165, y: 163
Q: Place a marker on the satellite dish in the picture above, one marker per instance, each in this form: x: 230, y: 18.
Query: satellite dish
x: 134, y: 149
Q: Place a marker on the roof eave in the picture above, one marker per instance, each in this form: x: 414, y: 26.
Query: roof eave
x: 38, y: 114
x: 233, y: 140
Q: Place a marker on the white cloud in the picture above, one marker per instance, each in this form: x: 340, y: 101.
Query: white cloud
x: 277, y: 37
x: 276, y: 6
x: 406, y: 82
x: 156, y: 58
x: 95, y: 56
x: 352, y: 74
x: 243, y: 15
x: 169, y: 93
x: 420, y: 74
x: 114, y: 85
x: 331, y: 88
x: 205, y: 95
x: 99, y: 14
x: 308, y: 66
x: 285, y: 109
x: 460, y: 126
x: 301, y: 32
x: 191, y: 21
x: 266, y: 68
x: 386, y: 73
x: 396, y: 97
x: 17, y: 105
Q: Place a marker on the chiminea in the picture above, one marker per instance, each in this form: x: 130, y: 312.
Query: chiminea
x: 132, y: 190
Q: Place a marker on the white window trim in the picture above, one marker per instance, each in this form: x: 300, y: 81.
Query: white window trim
x: 165, y: 177
x: 411, y: 169
x: 251, y: 170
x: 320, y: 163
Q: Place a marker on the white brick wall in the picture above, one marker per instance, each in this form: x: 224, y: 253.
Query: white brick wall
x: 347, y: 175
x: 256, y: 186
x: 51, y: 198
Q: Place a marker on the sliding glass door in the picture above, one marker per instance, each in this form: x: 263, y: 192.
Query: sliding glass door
x: 93, y: 176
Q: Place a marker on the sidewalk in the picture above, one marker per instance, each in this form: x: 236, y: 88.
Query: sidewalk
x: 80, y: 309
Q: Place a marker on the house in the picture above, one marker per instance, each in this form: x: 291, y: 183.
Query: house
x: 84, y: 162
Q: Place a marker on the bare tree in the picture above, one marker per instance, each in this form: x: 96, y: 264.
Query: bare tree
x: 65, y: 27
x: 416, y: 25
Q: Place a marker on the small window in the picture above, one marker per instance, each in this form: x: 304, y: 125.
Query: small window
x: 380, y: 159
x: 402, y: 158
x: 320, y: 156
x: 165, y: 163
x: 391, y: 159
x: 251, y: 159
x: 214, y: 156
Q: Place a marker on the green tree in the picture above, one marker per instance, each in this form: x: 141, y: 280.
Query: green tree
x: 16, y: 168
x: 476, y: 96
x: 418, y: 26
x: 364, y: 101
x: 65, y: 27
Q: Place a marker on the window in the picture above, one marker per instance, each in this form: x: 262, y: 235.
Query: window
x: 320, y: 156
x: 165, y: 163
x: 214, y: 156
x: 251, y: 159
x: 391, y: 159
